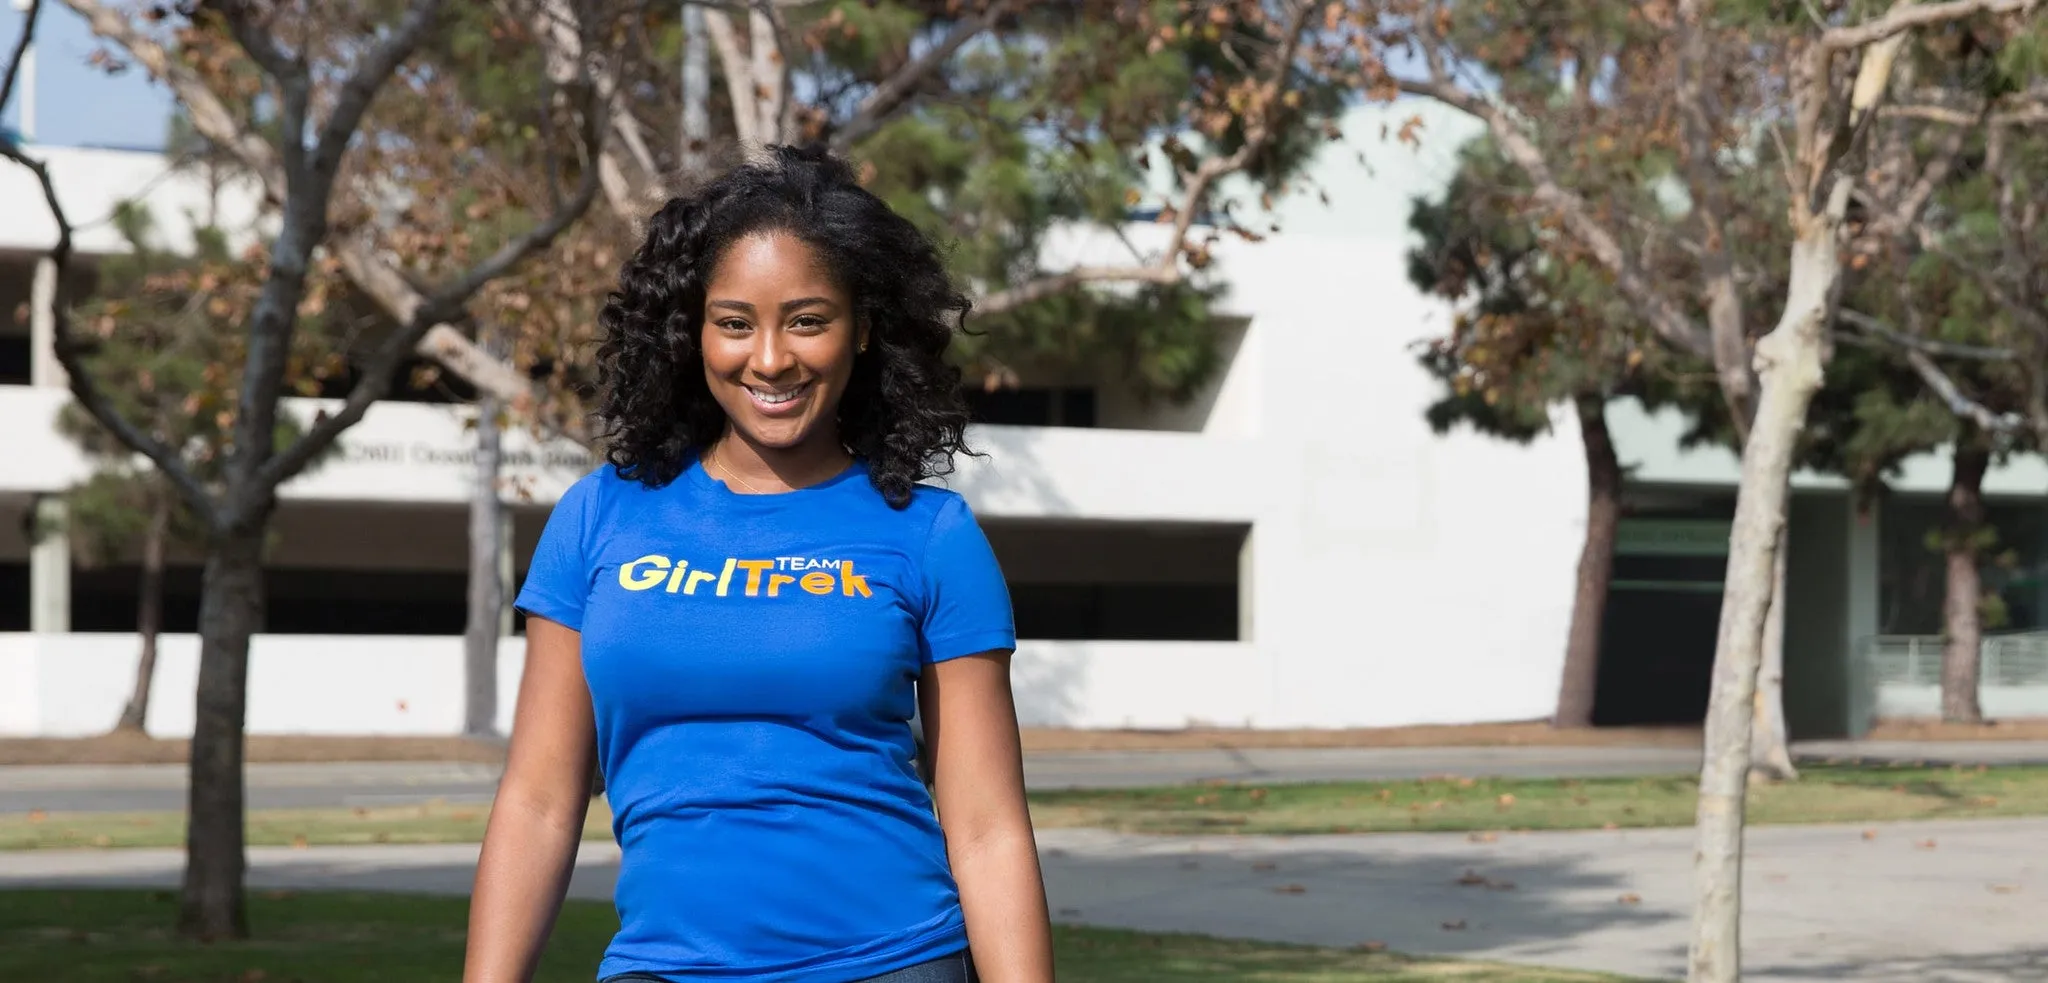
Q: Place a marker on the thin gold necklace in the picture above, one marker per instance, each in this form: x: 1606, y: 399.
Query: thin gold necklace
x: 733, y: 476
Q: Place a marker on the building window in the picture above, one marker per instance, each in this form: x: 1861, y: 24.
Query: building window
x: 1121, y: 581
x: 1032, y: 406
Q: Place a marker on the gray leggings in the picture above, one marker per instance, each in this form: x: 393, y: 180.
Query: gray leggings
x: 956, y: 968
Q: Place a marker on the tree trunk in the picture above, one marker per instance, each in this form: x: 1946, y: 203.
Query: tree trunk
x: 1770, y: 752
x: 1963, y: 626
x: 230, y: 610
x: 148, y: 615
x: 1596, y: 565
x: 1792, y: 358
x: 486, y: 590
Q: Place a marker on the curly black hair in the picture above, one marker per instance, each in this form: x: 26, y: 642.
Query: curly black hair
x: 903, y: 410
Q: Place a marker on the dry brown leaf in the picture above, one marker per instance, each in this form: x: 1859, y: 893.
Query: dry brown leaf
x: 1631, y: 899
x: 1290, y: 889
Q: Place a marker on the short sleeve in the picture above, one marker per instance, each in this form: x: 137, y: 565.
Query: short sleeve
x: 558, y: 579
x: 967, y: 604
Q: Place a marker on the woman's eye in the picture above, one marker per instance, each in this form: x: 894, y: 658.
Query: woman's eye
x: 733, y: 324
x: 809, y: 323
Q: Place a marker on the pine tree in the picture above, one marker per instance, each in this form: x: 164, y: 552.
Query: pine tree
x: 1529, y: 335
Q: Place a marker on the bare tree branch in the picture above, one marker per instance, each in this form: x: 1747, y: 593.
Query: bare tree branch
x: 440, y: 306
x: 1952, y: 396
x: 369, y: 77
x: 1258, y: 133
x: 366, y: 267
x: 771, y: 73
x: 1905, y: 17
x: 1697, y: 112
x: 897, y: 90
x: 1901, y: 217
x: 20, y: 53
x: 84, y: 387
x: 739, y: 77
x: 1943, y: 349
x: 209, y: 115
x: 1669, y: 321
x: 2032, y: 115
x: 1058, y: 283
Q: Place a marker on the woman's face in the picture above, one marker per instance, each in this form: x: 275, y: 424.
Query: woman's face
x: 779, y: 341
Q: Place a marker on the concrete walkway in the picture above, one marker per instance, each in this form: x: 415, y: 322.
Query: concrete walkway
x: 1956, y: 902
x: 139, y: 788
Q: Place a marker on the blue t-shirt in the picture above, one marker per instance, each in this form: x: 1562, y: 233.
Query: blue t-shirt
x: 751, y: 661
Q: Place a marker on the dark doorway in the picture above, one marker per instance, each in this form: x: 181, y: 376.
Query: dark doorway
x: 1663, y: 614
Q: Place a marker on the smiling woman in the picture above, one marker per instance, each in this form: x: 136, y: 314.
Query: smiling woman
x: 735, y: 618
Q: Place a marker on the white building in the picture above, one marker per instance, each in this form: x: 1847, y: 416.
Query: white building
x: 1294, y: 548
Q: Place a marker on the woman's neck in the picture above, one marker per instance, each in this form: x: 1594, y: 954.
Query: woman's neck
x: 748, y: 468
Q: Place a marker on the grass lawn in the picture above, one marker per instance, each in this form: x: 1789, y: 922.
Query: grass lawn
x: 123, y: 937
x: 1823, y: 793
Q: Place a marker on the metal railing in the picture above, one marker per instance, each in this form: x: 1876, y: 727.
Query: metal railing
x: 2017, y: 659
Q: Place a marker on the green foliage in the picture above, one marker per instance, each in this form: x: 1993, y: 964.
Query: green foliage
x: 1530, y: 330
x: 164, y: 343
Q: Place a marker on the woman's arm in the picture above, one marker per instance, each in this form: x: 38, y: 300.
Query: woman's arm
x: 970, y: 721
x: 537, y: 819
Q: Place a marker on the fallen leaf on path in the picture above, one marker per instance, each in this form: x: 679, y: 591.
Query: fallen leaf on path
x: 1290, y: 889
x: 1483, y: 837
x: 1456, y: 926
x: 1631, y: 899
x: 2005, y: 888
x: 1925, y: 844
x: 1471, y: 878
x: 1870, y: 834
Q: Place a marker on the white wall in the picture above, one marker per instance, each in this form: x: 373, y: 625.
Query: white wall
x: 74, y: 685
x: 91, y: 181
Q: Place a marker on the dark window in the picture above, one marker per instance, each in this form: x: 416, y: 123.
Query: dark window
x: 13, y: 597
x: 297, y: 602
x: 1126, y: 612
x: 1029, y: 406
x: 15, y: 368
